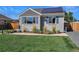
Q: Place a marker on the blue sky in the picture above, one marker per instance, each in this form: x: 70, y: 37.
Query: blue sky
x: 14, y: 11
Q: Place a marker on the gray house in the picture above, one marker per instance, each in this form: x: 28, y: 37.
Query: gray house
x: 42, y: 17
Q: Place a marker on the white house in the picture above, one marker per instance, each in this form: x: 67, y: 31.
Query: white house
x: 48, y: 17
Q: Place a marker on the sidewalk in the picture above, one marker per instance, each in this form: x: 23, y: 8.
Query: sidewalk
x: 61, y: 34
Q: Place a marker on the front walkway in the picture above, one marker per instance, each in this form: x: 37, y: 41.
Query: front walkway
x: 61, y: 34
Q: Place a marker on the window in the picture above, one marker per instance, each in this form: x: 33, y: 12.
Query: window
x: 24, y: 20
x: 48, y: 20
x: 30, y: 20
x: 57, y: 19
x: 53, y: 20
x: 33, y: 19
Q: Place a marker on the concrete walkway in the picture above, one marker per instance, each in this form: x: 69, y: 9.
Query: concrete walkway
x: 74, y: 37
x: 61, y: 34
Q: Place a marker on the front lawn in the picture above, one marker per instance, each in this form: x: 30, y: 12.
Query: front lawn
x: 35, y: 43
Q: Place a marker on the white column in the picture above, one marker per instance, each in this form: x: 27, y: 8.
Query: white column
x: 38, y: 22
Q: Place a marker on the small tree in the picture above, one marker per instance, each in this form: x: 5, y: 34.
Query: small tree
x: 69, y: 17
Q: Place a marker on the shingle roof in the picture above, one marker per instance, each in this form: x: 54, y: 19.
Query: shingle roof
x: 5, y: 17
x: 50, y: 10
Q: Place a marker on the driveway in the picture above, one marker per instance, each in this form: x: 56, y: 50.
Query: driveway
x: 74, y: 37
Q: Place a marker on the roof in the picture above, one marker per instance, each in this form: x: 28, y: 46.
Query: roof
x: 3, y: 17
x: 50, y: 10
x: 40, y: 11
x: 13, y: 21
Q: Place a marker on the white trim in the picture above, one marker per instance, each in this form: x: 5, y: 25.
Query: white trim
x: 31, y: 10
x: 28, y: 16
x: 35, y: 11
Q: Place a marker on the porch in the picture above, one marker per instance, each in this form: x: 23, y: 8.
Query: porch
x: 50, y: 22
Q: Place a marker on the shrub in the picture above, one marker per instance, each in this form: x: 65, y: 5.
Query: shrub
x: 45, y: 29
x: 54, y: 30
x: 34, y: 28
x: 49, y: 32
x: 58, y: 31
x: 8, y: 31
x: 24, y: 29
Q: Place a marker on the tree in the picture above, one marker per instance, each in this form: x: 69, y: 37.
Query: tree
x: 69, y: 17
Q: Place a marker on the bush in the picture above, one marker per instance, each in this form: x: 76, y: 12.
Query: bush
x: 45, y: 29
x: 49, y: 32
x: 24, y: 29
x: 58, y: 31
x: 8, y: 31
x: 54, y: 30
x: 34, y: 28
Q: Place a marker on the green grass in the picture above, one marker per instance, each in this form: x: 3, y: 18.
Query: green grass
x: 18, y: 43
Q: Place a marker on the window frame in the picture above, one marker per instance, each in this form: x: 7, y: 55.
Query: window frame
x: 57, y: 19
x: 24, y: 21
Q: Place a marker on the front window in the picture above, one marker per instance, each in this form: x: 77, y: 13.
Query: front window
x: 30, y: 20
x: 50, y: 19
x: 53, y: 20
x: 24, y: 20
x: 36, y: 20
x: 57, y: 19
x: 47, y: 19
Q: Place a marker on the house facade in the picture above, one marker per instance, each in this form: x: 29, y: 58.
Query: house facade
x: 3, y: 22
x: 43, y: 17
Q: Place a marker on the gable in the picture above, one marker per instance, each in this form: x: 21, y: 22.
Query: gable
x: 29, y: 13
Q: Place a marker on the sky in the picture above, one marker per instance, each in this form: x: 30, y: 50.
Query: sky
x: 14, y: 11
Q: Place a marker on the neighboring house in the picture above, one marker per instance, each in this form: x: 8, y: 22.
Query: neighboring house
x: 3, y: 20
x: 42, y: 17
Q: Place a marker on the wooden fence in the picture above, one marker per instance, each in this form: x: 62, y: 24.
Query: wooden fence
x: 73, y: 26
x: 14, y: 25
